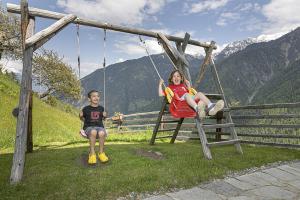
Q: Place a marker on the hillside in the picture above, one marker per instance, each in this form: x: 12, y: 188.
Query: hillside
x: 287, y: 86
x: 50, y: 124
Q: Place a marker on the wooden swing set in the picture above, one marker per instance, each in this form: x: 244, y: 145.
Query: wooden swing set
x: 32, y: 41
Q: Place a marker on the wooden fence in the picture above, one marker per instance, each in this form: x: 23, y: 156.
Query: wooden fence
x: 268, y: 124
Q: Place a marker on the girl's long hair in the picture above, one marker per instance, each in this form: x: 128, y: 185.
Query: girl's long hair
x: 171, y: 76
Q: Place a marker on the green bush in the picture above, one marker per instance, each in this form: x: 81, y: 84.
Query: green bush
x: 52, y: 101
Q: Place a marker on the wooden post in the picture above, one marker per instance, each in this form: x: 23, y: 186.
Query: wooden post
x: 181, y: 48
x: 176, y: 131
x: 228, y: 116
x: 25, y: 90
x: 203, y: 139
x: 205, y: 63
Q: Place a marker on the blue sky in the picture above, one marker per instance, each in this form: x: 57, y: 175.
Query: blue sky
x: 223, y: 21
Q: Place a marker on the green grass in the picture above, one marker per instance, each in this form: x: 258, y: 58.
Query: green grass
x: 50, y: 124
x: 54, y: 170
x: 56, y: 173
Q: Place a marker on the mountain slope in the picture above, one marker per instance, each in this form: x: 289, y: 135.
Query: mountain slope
x: 50, y: 124
x: 284, y: 87
x: 243, y: 73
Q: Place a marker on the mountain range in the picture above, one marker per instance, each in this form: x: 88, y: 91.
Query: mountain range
x: 251, y: 71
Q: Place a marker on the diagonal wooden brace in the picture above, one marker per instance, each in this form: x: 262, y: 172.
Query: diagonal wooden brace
x: 43, y: 36
x: 206, y: 62
x: 169, y: 48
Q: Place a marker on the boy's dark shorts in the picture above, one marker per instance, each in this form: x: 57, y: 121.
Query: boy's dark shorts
x: 88, y: 131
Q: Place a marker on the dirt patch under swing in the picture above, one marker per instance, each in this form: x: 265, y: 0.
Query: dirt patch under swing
x: 156, y: 155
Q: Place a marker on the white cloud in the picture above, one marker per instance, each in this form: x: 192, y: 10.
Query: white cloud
x: 249, y: 7
x: 129, y: 12
x: 282, y: 16
x: 207, y: 5
x: 135, y: 48
x: 15, y: 66
x: 154, y: 6
x: 194, y: 50
x: 120, y: 60
x: 227, y: 17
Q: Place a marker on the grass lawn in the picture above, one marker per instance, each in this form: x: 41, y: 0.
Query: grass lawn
x: 54, y: 172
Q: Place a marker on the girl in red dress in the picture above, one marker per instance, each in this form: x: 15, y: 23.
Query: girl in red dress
x: 179, y: 85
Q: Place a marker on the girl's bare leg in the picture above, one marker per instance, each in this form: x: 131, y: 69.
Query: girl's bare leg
x: 101, y: 141
x: 189, y: 99
x: 92, y: 141
x: 203, y: 98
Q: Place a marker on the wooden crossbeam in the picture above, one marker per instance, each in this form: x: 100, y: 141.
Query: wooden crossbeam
x: 13, y: 8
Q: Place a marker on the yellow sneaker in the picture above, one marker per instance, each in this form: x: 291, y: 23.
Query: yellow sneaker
x: 92, y: 159
x: 102, y: 157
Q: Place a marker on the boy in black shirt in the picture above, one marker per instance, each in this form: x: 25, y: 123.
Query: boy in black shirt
x: 92, y: 115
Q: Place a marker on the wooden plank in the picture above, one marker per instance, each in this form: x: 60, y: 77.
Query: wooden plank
x: 141, y: 114
x: 49, y: 32
x: 213, y: 126
x: 267, y: 106
x: 271, y: 144
x: 203, y: 139
x: 138, y: 125
x: 222, y: 143
x: 131, y: 131
x: 139, y: 120
x: 155, y: 130
x: 176, y: 131
x: 206, y: 132
x: 269, y: 135
x: 267, y: 125
x: 281, y: 116
x: 166, y: 130
x: 170, y: 121
x: 25, y: 90
x: 161, y: 137
x: 13, y: 8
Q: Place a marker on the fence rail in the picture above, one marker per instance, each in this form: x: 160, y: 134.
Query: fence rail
x: 267, y: 124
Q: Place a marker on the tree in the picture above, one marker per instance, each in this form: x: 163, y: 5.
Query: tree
x: 10, y: 35
x: 56, y: 76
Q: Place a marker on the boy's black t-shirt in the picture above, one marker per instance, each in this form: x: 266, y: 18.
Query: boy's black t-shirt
x: 93, y: 116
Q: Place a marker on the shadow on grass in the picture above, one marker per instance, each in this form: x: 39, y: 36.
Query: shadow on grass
x: 61, y: 174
